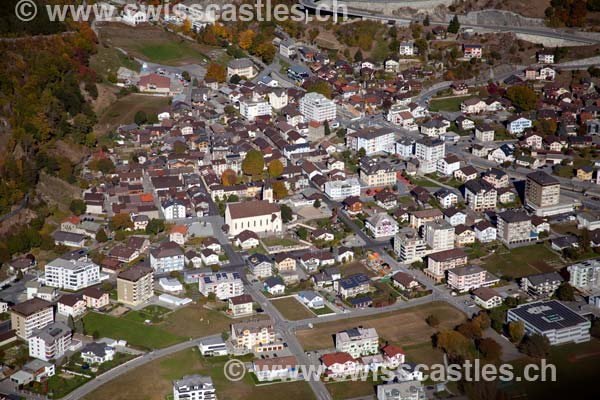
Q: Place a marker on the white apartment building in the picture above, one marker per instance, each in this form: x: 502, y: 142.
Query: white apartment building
x: 357, y: 342
x: 381, y: 225
x: 71, y: 274
x: 552, y: 319
x: 50, y: 342
x: 167, y: 257
x: 409, y: 247
x: 470, y: 277
x: 429, y: 151
x: 339, y: 190
x: 439, y: 235
x: 373, y: 140
x: 407, y: 48
x: 316, y: 107
x: 250, y: 108
x: 258, y: 216
x: 585, y: 275
x: 194, y: 387
x: 30, y: 315
x: 223, y: 284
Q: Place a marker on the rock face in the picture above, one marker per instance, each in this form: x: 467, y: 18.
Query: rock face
x: 392, y: 7
x: 498, y: 17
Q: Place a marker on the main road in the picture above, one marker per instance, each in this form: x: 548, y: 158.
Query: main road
x: 313, y: 5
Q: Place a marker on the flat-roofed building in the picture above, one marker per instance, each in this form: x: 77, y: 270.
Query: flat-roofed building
x: 541, y: 190
x: 30, y: 315
x: 357, y: 341
x: 135, y: 285
x: 552, y: 319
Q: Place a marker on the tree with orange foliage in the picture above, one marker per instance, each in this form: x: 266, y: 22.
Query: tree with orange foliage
x: 216, y: 71
x: 246, y: 39
x: 187, y: 26
x: 229, y: 177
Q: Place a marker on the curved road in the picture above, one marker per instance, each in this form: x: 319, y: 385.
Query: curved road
x: 92, y: 385
x: 539, y: 31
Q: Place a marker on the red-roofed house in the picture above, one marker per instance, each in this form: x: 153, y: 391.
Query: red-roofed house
x: 340, y: 364
x: 393, y: 356
x: 178, y: 234
x: 155, y: 83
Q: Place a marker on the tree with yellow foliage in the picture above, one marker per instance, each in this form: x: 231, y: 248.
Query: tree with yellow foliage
x: 246, y: 38
x: 216, y: 71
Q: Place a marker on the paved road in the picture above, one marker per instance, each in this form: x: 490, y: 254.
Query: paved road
x: 131, y: 365
x: 287, y: 331
x: 529, y: 30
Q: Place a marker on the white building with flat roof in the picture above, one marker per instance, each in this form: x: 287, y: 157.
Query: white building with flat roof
x: 194, y: 387
x: 357, y: 342
x: 585, y: 275
x: 71, y: 274
x: 223, y: 284
x: 339, y: 190
x: 316, y: 107
x: 552, y: 319
x: 50, y: 342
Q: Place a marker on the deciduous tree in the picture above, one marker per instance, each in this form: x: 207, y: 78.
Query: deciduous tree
x: 275, y: 168
x: 254, y: 163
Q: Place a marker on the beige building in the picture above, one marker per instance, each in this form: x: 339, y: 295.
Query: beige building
x: 409, y: 247
x: 31, y: 315
x: 241, y: 305
x: 541, y: 190
x: 514, y: 227
x: 377, y: 173
x: 257, y: 336
x: 285, y: 263
x: 480, y: 195
x: 439, y: 263
x: 135, y: 285
x: 439, y: 235
x: 257, y: 216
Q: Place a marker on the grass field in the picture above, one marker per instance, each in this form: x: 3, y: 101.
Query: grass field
x: 405, y: 327
x: 155, y: 45
x: 196, y: 321
x: 109, y: 59
x: 291, y: 309
x: 153, y: 381
x: 276, y: 241
x: 522, y: 261
x: 447, y: 104
x: 152, y: 313
x: 123, y: 111
x: 355, y: 267
x: 135, y: 333
x: 350, y: 389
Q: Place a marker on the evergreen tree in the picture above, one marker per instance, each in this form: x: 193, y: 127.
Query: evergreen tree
x: 454, y: 25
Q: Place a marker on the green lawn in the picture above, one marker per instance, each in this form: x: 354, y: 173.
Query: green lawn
x: 277, y: 241
x: 169, y: 52
x: 134, y: 332
x: 109, y: 59
x: 322, y: 311
x: 447, y: 104
x: 152, y: 313
x: 522, y: 261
